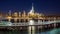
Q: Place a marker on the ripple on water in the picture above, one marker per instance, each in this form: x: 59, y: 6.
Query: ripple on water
x: 52, y: 31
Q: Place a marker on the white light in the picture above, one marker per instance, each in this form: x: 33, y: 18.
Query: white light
x: 31, y: 22
x: 9, y: 23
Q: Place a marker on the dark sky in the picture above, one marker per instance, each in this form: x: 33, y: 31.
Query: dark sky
x: 47, y: 7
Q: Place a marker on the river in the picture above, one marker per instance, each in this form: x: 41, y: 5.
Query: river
x: 51, y: 31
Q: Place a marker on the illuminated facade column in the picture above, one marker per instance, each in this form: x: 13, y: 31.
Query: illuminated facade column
x: 44, y: 19
x: 9, y: 16
x: 54, y: 18
x: 15, y: 20
x: 49, y: 19
x: 28, y: 17
x: 19, y: 17
x: 24, y: 16
x: 38, y: 18
x: 1, y: 17
x: 38, y: 21
x: 16, y: 16
x: 9, y: 19
x: 54, y: 21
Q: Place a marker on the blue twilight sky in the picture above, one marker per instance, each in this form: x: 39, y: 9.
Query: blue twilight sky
x: 47, y: 7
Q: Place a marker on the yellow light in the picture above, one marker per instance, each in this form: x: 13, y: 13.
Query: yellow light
x: 9, y: 17
x: 15, y: 14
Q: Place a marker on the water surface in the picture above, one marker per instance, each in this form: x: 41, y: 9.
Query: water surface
x: 51, y: 31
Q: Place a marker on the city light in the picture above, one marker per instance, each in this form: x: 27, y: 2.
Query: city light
x: 9, y: 17
x: 10, y: 24
x: 31, y: 22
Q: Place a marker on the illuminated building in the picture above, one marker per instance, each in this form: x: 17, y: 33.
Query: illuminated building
x: 31, y: 15
x: 30, y: 18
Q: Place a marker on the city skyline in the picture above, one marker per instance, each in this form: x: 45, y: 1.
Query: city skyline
x: 47, y: 7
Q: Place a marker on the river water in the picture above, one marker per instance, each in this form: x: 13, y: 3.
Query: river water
x: 51, y: 31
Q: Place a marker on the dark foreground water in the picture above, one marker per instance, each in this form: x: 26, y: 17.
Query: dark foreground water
x: 52, y: 31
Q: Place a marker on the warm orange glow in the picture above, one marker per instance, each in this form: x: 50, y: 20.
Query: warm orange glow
x: 9, y: 17
x: 15, y: 14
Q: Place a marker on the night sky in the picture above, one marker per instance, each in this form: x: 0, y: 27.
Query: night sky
x: 47, y: 7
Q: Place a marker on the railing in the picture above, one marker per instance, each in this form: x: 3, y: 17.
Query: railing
x: 19, y: 24
x: 35, y: 23
x: 27, y: 24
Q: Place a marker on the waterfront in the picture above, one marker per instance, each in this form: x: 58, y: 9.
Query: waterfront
x: 29, y: 23
x: 53, y: 28
x: 51, y: 31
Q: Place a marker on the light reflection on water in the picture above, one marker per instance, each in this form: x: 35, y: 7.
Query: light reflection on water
x: 52, y: 31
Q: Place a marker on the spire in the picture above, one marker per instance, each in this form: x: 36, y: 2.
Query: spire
x: 32, y: 8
